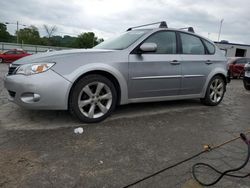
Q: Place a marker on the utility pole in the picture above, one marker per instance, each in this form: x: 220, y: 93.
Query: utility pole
x: 17, y: 30
x: 220, y: 29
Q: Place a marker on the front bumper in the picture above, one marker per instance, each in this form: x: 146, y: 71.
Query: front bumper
x: 246, y: 80
x: 47, y: 90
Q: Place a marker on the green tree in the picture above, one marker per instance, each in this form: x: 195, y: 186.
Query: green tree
x: 86, y: 40
x: 29, y: 35
x: 68, y: 41
x: 4, y: 34
x: 100, y: 40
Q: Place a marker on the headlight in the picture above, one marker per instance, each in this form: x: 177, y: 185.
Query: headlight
x: 34, y: 68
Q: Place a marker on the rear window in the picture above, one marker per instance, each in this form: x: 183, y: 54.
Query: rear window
x: 10, y: 52
x: 210, y: 47
x: 242, y: 61
x: 191, y: 44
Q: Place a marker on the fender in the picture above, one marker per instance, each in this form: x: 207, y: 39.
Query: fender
x: 73, y: 76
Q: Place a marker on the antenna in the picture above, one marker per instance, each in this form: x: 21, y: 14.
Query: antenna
x: 163, y: 24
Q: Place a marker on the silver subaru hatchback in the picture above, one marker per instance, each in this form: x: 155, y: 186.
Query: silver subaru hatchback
x: 140, y: 65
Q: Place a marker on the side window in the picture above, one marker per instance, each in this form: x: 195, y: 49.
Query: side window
x: 165, y: 41
x: 19, y: 52
x: 210, y: 47
x: 10, y: 52
x: 241, y: 61
x: 191, y: 44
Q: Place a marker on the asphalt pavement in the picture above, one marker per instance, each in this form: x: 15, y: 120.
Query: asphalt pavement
x: 40, y: 148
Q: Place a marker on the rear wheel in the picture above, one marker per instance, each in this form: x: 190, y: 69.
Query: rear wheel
x: 93, y: 98
x: 215, y: 91
x: 247, y: 87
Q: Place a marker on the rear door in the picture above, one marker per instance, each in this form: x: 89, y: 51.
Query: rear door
x: 196, y: 62
x: 155, y: 74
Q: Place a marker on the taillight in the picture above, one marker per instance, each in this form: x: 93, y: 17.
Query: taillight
x: 247, y: 67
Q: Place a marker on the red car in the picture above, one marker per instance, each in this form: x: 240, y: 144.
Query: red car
x: 236, y: 66
x: 12, y: 55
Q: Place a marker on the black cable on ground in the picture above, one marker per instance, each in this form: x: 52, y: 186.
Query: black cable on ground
x: 227, y: 172
x: 207, y: 148
x: 167, y: 168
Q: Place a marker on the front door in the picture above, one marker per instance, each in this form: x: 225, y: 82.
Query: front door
x: 156, y: 74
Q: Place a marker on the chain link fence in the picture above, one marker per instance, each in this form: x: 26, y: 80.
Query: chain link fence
x: 28, y: 47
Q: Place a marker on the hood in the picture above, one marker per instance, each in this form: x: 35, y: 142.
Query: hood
x: 46, y: 56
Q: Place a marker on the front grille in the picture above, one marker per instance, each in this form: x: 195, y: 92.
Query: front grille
x: 12, y: 69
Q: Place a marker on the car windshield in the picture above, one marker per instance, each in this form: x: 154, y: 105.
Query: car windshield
x: 122, y: 41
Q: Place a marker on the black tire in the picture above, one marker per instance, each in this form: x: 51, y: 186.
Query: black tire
x: 1, y: 60
x: 207, y: 99
x: 84, y: 82
x: 247, y: 87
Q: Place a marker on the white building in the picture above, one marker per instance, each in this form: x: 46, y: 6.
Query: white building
x: 233, y: 49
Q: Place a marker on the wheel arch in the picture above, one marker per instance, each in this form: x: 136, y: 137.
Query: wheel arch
x: 116, y: 78
x: 223, y: 77
x: 221, y: 73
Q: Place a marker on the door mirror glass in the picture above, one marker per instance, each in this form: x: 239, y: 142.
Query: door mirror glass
x: 148, y: 47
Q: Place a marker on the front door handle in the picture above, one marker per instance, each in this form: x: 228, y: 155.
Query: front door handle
x: 174, y: 62
x: 208, y: 62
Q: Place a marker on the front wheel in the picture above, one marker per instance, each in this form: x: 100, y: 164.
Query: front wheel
x: 1, y: 60
x: 215, y: 91
x: 93, y: 99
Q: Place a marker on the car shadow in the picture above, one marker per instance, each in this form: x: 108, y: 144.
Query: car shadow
x: 14, y: 117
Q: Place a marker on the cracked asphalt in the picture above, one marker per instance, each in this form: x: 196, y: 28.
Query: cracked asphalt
x: 40, y: 149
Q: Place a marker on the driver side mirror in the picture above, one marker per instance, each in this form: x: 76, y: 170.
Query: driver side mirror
x: 148, y: 47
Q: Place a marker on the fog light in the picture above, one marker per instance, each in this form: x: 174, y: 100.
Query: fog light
x: 30, y: 97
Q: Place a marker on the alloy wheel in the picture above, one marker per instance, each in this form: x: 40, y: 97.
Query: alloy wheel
x: 216, y: 90
x: 95, y: 99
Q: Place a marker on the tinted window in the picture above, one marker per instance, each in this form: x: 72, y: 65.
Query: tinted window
x: 191, y: 44
x: 123, y: 41
x: 165, y: 41
x: 10, y: 52
x: 210, y: 47
x: 241, y: 61
x: 19, y: 52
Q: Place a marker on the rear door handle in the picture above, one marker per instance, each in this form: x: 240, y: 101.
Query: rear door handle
x: 174, y: 62
x: 208, y: 62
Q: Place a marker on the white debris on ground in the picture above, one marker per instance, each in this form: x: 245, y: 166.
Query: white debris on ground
x: 101, y: 162
x: 78, y: 130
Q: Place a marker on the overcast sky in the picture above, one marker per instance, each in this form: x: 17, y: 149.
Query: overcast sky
x: 109, y: 17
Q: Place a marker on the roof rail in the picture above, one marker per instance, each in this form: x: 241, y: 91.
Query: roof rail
x: 190, y: 29
x: 163, y: 24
